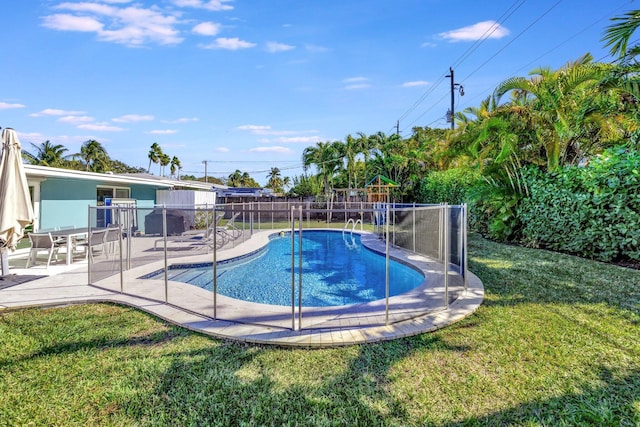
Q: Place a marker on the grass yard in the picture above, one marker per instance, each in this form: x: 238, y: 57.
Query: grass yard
x: 557, y: 342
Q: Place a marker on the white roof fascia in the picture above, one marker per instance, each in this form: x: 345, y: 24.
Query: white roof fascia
x: 35, y: 171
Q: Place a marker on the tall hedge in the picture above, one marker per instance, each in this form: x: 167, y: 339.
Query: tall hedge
x: 592, y: 211
x: 449, y: 186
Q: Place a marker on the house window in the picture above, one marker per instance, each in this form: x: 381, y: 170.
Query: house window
x: 104, y: 193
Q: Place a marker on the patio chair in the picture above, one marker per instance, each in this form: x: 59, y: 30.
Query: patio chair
x: 112, y: 238
x: 42, y: 242
x: 95, y: 241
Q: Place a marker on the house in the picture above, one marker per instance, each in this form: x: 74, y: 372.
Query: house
x: 61, y: 197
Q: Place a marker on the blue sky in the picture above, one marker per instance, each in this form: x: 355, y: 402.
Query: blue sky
x: 248, y: 84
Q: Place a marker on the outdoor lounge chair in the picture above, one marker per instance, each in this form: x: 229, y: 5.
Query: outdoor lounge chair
x: 193, y: 236
x: 230, y: 231
x: 42, y: 242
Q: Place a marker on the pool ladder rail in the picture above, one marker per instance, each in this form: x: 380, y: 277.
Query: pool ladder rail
x: 352, y: 244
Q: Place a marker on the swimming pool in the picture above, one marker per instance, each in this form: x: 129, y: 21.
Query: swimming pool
x: 337, y: 270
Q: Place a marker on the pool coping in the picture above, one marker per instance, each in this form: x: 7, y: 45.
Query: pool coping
x: 193, y: 308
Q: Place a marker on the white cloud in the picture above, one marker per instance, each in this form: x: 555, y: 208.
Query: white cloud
x: 66, y: 22
x: 7, y: 106
x: 56, y: 112
x: 181, y: 120
x: 481, y: 30
x: 207, y: 28
x: 428, y: 44
x: 76, y: 120
x: 300, y: 140
x: 416, y: 83
x: 163, y: 132
x: 101, y: 127
x: 354, y: 83
x: 355, y: 80
x: 228, y: 44
x: 130, y: 118
x: 316, y: 49
x: 221, y: 149
x: 254, y: 128
x: 131, y: 25
x: 274, y: 47
x: 274, y: 149
x: 358, y: 86
x: 213, y: 5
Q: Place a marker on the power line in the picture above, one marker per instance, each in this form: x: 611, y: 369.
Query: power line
x: 488, y: 32
x: 506, y: 15
x: 483, y: 93
x: 514, y: 39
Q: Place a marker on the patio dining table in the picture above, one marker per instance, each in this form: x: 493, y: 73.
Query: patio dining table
x: 70, y: 234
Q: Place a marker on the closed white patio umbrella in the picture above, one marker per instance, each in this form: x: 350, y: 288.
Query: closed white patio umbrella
x: 16, y: 211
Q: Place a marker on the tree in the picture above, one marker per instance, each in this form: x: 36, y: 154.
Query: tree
x: 175, y: 166
x: 94, y: 156
x: 617, y: 35
x: 349, y: 150
x: 275, y: 180
x: 46, y: 154
x: 557, y: 104
x: 154, y: 155
x: 325, y: 156
x: 235, y: 179
x: 164, y: 161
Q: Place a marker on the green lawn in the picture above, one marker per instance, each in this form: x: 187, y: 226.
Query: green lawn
x: 556, y: 342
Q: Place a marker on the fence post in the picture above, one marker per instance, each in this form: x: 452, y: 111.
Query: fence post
x: 445, y: 208
x: 386, y: 278
x: 414, y: 226
x: 464, y: 245
x: 88, y: 246
x: 215, y: 268
x: 120, y: 253
x: 299, y: 268
x: 293, y: 273
x: 164, y: 237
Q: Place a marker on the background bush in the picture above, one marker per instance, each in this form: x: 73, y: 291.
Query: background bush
x: 451, y: 186
x: 592, y: 211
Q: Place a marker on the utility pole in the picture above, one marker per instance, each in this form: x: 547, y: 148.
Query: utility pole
x: 206, y: 162
x: 451, y: 113
x: 398, y: 128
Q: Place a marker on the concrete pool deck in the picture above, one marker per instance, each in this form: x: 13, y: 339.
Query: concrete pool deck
x: 413, y: 313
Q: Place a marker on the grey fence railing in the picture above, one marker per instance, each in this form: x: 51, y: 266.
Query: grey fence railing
x: 134, y: 250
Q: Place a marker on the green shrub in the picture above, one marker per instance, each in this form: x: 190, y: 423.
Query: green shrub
x: 591, y: 211
x: 493, y: 211
x: 450, y: 186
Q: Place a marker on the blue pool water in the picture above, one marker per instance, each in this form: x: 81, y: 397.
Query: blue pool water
x: 337, y: 270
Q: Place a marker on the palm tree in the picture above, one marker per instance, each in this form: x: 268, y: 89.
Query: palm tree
x: 164, y: 161
x: 46, y: 154
x: 94, y: 156
x: 557, y: 104
x: 349, y: 150
x: 175, y: 166
x: 617, y: 35
x: 235, y: 179
x: 274, y: 180
x: 154, y: 155
x: 325, y: 157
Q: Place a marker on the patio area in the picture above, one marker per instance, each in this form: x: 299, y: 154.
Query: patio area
x: 192, y: 307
